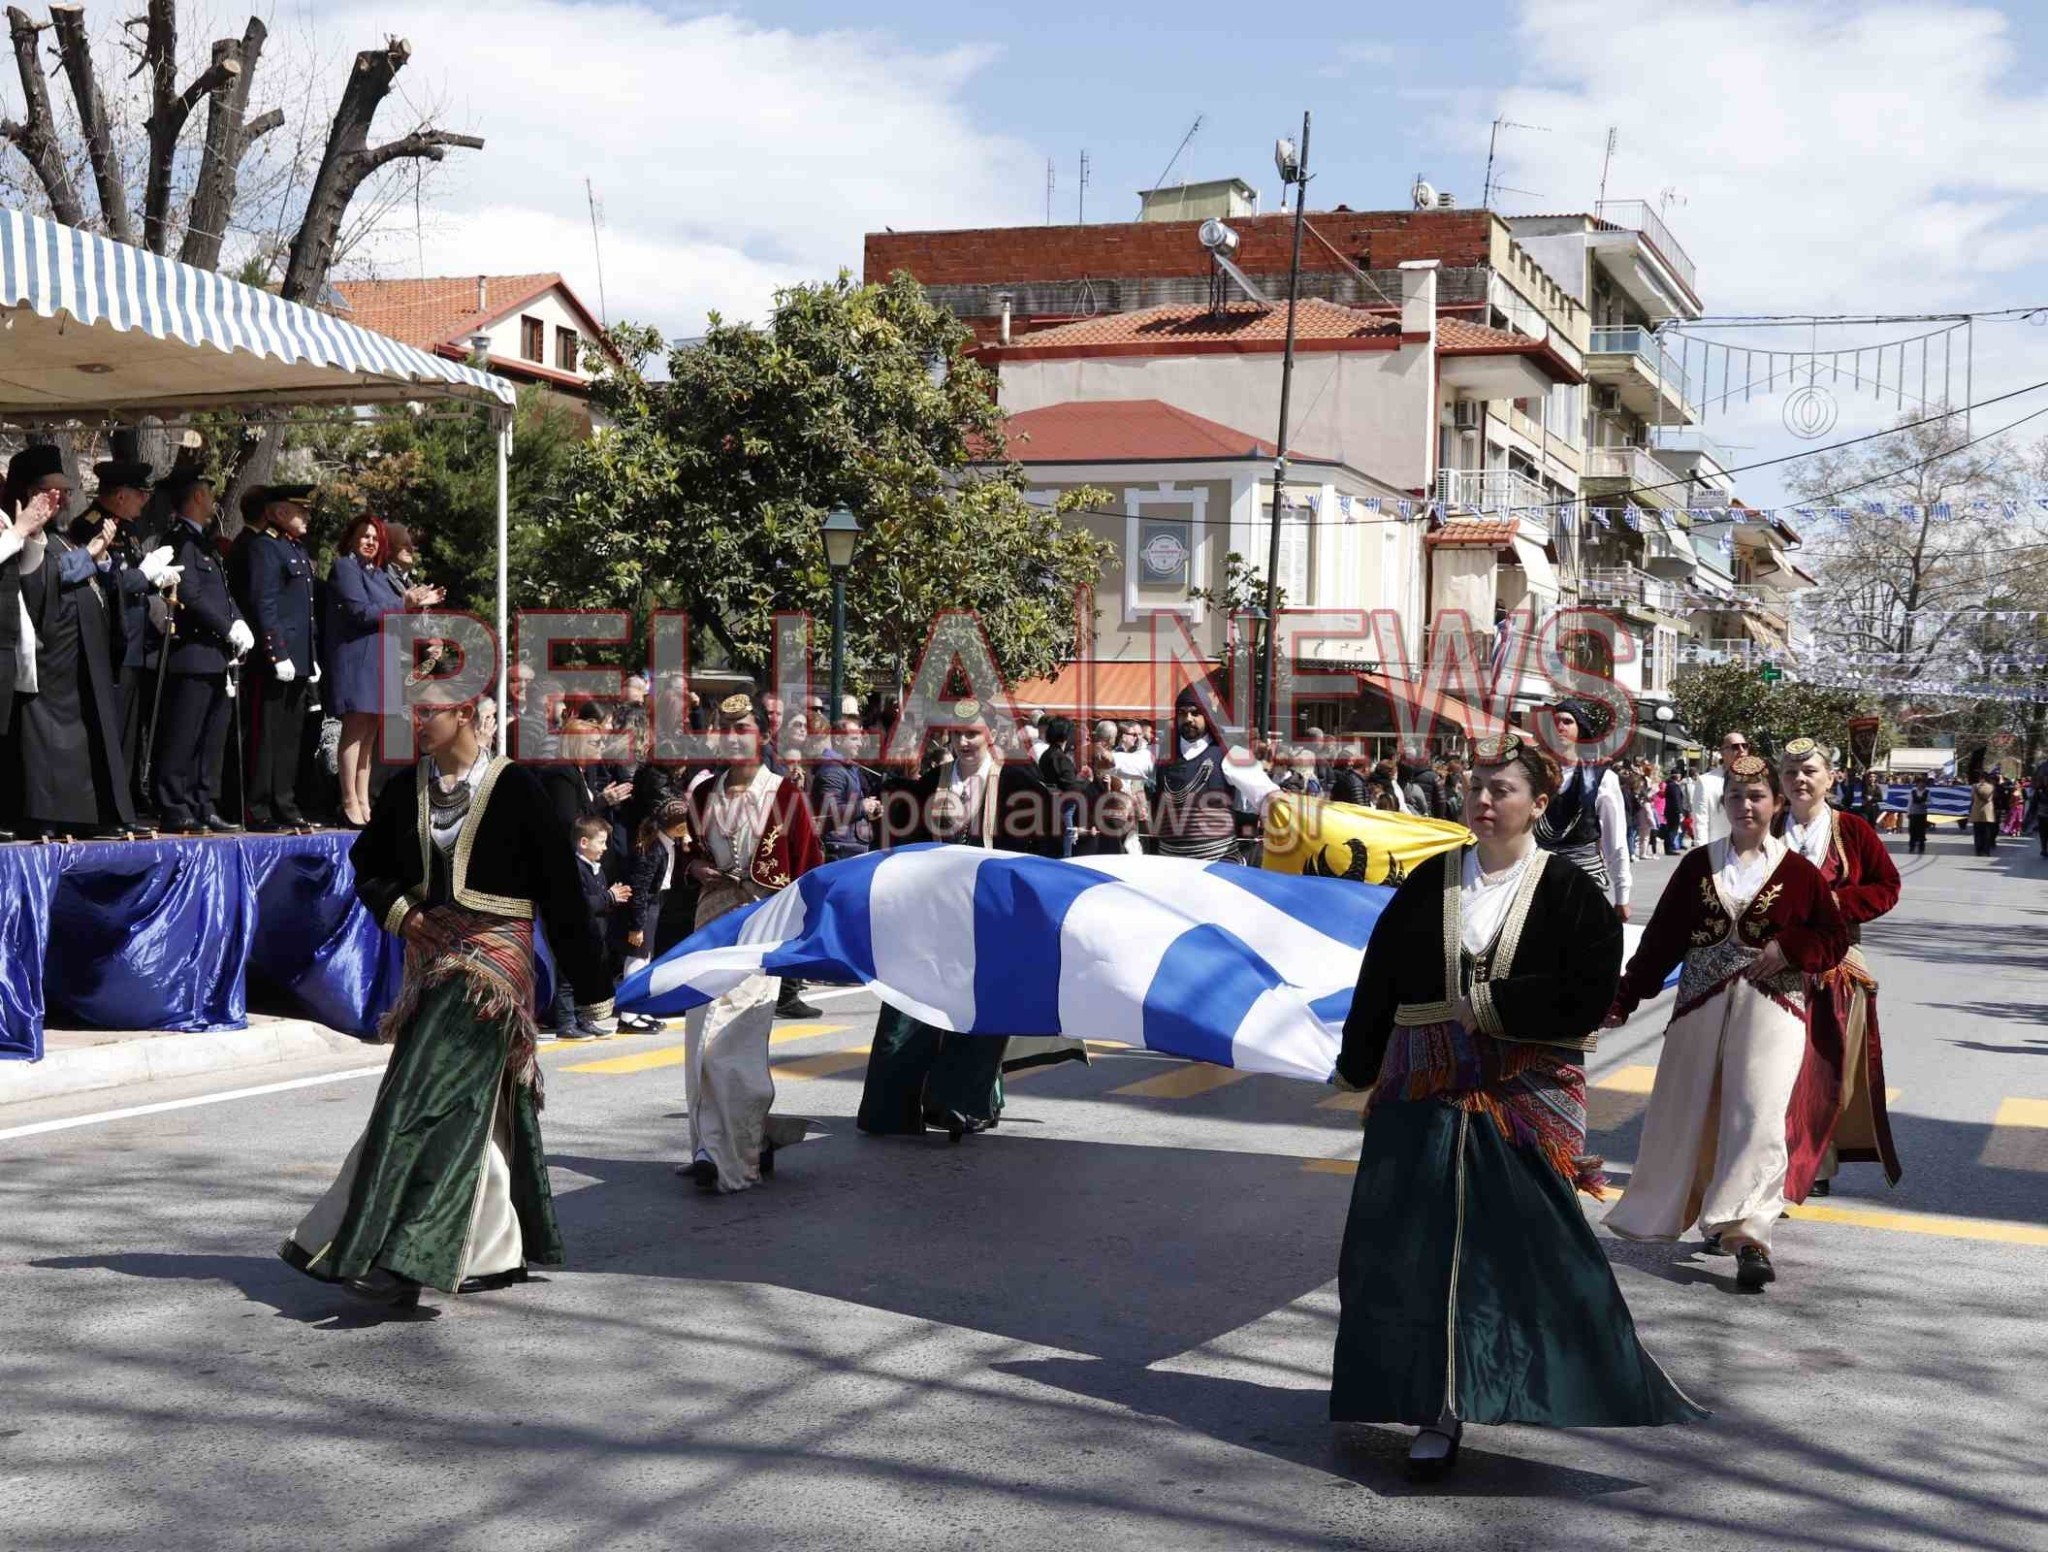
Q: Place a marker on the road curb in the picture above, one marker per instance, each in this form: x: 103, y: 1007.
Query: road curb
x: 155, y: 1056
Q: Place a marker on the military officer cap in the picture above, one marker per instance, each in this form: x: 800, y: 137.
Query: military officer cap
x: 123, y: 474
x: 260, y: 496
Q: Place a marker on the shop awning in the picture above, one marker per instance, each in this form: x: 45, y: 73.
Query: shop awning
x: 1536, y: 567
x: 1114, y: 689
x: 98, y: 328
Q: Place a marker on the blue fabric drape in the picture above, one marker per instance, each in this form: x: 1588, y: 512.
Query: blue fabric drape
x: 170, y: 934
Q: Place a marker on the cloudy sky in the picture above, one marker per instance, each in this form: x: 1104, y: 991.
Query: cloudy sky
x: 1811, y: 154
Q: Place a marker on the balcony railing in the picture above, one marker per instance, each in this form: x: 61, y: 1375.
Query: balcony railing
x: 1633, y: 464
x: 1648, y: 350
x: 1635, y: 215
x: 1729, y: 649
x: 1629, y: 585
x: 1489, y: 490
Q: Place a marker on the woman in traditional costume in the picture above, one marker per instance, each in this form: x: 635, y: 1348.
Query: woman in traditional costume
x: 1473, y: 1288
x: 752, y: 835
x: 1751, y: 920
x: 447, y: 1188
x: 1838, y: 1103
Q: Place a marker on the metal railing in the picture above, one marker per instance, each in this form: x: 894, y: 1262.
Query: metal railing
x: 1728, y: 649
x: 1490, y: 490
x: 1635, y: 215
x: 1643, y: 344
x: 1627, y: 584
x: 1633, y: 464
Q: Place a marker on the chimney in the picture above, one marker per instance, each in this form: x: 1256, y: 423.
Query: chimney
x: 1418, y: 296
x: 483, y: 293
x: 1006, y: 299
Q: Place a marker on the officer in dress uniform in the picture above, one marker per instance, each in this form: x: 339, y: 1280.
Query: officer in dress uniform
x: 271, y: 577
x: 210, y: 634
x: 136, y: 571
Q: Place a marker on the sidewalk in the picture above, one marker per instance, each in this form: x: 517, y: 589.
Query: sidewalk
x: 79, y: 1061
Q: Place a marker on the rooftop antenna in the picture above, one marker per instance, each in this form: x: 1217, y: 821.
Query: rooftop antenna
x: 1492, y: 140
x: 1606, y: 162
x: 1081, y: 194
x: 1667, y: 197
x: 597, y: 247
x: 1160, y: 181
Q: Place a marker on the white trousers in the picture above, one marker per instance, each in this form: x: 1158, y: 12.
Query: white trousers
x: 1713, y: 1148
x: 725, y: 1073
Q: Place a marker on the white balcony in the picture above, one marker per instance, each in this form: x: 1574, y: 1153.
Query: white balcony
x: 1491, y: 490
x: 1629, y: 587
x: 1635, y: 467
x: 1648, y: 378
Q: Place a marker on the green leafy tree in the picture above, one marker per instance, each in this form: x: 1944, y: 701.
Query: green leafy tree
x: 706, y: 491
x: 1729, y: 697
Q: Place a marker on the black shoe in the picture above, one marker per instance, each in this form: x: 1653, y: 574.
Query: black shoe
x: 1435, y: 1449
x: 1713, y: 1245
x: 220, y: 826
x: 6, y: 836
x: 767, y: 1159
x: 792, y: 1005
x: 1822, y: 1188
x: 492, y: 1281
x: 293, y: 1255
x: 1753, y: 1268
x: 380, y: 1286
x: 702, y: 1171
x: 575, y: 1032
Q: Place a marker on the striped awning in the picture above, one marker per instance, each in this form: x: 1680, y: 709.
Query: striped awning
x: 96, y: 327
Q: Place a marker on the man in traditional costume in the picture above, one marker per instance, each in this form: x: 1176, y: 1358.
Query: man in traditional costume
x: 920, y: 1076
x: 448, y: 1186
x: 1838, y: 1109
x: 1472, y: 1287
x: 1751, y: 920
x: 1587, y: 825
x: 31, y: 499
x: 752, y: 835
x: 1204, y: 787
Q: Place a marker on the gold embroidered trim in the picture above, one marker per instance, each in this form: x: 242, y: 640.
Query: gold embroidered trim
x: 1485, y: 1012
x: 1413, y: 1013
x: 1518, y: 917
x: 465, y: 842
x: 1454, y: 926
x: 402, y: 907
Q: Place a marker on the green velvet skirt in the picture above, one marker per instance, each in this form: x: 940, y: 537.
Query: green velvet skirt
x: 422, y: 1159
x: 913, y: 1067
x: 1470, y: 1279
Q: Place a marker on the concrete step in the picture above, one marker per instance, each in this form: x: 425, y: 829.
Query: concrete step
x: 79, y: 1061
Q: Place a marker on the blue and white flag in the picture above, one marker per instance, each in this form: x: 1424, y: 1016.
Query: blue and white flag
x: 1219, y: 963
x: 1225, y: 964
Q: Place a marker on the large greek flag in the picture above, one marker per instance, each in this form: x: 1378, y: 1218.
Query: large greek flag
x: 1238, y: 966
x: 1225, y: 964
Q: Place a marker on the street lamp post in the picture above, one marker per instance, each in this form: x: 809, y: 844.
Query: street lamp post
x: 1292, y: 163
x: 1665, y: 717
x: 841, y: 532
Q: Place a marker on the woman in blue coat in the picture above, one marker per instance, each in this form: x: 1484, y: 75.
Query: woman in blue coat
x: 359, y: 594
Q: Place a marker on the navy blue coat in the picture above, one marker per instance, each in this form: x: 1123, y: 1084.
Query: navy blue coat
x: 358, y: 598
x: 272, y: 577
x: 206, y: 609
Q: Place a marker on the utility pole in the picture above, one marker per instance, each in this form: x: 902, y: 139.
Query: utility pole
x: 1081, y: 195
x: 1299, y: 178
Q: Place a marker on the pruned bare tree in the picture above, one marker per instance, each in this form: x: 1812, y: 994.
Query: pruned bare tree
x: 112, y: 137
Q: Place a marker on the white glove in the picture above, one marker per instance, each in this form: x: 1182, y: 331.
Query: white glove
x: 314, y: 676
x: 239, y: 637
x: 156, y: 564
x: 171, y: 577
x: 284, y: 670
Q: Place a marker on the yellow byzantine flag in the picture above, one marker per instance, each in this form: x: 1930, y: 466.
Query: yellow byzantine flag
x: 1341, y: 840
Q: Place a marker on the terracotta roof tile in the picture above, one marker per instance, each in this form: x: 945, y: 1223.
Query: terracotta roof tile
x: 1456, y: 334
x: 1315, y: 319
x: 443, y: 310
x: 1475, y: 533
x: 1116, y: 430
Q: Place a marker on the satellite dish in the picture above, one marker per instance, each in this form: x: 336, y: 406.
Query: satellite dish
x: 1423, y: 196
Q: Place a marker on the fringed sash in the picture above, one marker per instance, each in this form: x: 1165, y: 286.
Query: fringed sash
x: 1535, y: 1096
x: 494, y: 957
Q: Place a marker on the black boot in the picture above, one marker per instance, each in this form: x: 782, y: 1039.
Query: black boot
x: 1435, y: 1449
x: 1753, y: 1268
x: 789, y: 1003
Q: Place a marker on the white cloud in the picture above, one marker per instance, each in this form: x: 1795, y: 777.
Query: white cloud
x: 1830, y: 157
x: 728, y: 158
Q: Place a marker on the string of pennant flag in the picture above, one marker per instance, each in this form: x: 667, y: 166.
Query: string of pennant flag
x: 1630, y: 515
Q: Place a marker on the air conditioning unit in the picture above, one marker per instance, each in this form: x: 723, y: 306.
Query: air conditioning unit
x: 1467, y: 414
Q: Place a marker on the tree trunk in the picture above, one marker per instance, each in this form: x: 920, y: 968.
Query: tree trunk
x: 37, y: 135
x: 170, y: 110
x: 74, y: 46
x: 228, y: 136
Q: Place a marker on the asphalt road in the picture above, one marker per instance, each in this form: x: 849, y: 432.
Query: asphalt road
x: 1107, y: 1324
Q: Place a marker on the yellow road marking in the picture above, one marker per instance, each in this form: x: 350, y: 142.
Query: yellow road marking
x: 1629, y: 1080
x: 1107, y: 1045
x: 1184, y: 1082
x: 673, y: 1055
x: 1330, y: 1166
x: 1994, y: 1229
x: 2019, y: 1136
x: 824, y: 1065
x: 639, y: 1061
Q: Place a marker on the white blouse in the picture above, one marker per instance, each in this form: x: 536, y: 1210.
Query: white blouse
x: 1738, y: 877
x: 1483, y: 901
x: 1811, y: 840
